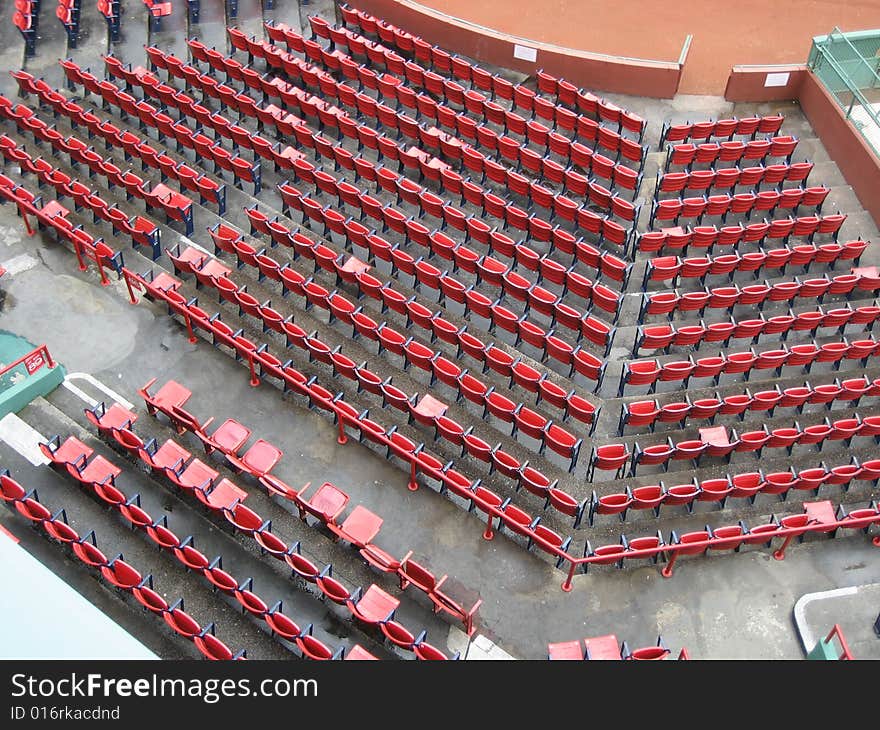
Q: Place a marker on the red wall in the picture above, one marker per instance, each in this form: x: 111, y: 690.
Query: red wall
x: 844, y: 143
x: 658, y: 79
x: 746, y: 83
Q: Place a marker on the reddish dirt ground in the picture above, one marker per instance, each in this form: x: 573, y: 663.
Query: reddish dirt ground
x: 724, y: 33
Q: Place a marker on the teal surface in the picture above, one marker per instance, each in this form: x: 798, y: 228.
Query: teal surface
x: 17, y: 388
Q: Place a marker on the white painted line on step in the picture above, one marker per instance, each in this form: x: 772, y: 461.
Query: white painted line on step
x: 807, y: 638
x: 18, y: 264
x: 23, y: 438
x: 97, y: 384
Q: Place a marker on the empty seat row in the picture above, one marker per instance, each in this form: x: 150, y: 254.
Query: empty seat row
x: 158, y: 10
x: 194, y: 476
x: 710, y: 236
x: 372, y: 606
x: 489, y: 270
x: 728, y: 297
x: 149, y: 116
x: 242, y: 169
x: 68, y: 12
x: 674, y: 268
x: 413, y: 353
x: 819, y: 517
x: 351, y: 270
x: 576, y: 358
x: 608, y: 648
x: 67, y: 455
x: 724, y: 204
x: 459, y: 152
x: 111, y: 10
x: 639, y: 414
x: 687, y: 154
x: 262, y: 364
x: 359, y: 529
x: 116, y: 571
x: 55, y: 216
x: 141, y: 230
x: 728, y: 178
x: 719, y: 442
x: 472, y: 101
x: 539, y: 196
x: 562, y: 91
x: 27, y: 19
x: 664, y: 336
x: 718, y: 490
x: 650, y: 372
x: 209, y: 190
x: 730, y: 128
x: 175, y: 205
x: 575, y: 152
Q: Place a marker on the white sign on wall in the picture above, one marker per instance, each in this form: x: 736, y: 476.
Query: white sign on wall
x: 525, y: 53
x: 777, y: 79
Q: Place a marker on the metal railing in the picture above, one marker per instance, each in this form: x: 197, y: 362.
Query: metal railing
x: 25, y: 366
x: 848, y: 65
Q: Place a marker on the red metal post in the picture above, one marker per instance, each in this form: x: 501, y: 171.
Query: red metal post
x: 413, y: 485
x: 27, y: 223
x: 342, y: 439
x: 49, y: 361
x: 566, y: 584
x: 255, y: 381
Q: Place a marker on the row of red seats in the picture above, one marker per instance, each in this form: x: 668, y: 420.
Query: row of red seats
x: 351, y: 270
x: 163, y: 288
x: 575, y: 152
x: 674, y: 268
x: 663, y: 336
x: 209, y: 190
x: 74, y: 457
x: 54, y: 215
x: 116, y: 571
x: 515, y: 217
x: 711, y: 152
x: 730, y: 128
x: 471, y: 100
x: 360, y: 531
x: 728, y: 178
x: 67, y: 11
x: 607, y: 647
x: 723, y: 204
x: 158, y: 9
x: 728, y: 297
x: 650, y: 372
x: 819, y: 517
x: 27, y: 19
x: 413, y: 353
x: 733, y: 486
x: 175, y: 205
x: 141, y: 230
x: 210, y: 149
x: 488, y: 269
x: 242, y: 169
x: 564, y: 92
x: 709, y: 236
x: 491, y: 204
x: 548, y: 342
x: 724, y: 442
x: 372, y: 607
x: 510, y: 149
x: 641, y: 413
x: 227, y: 239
